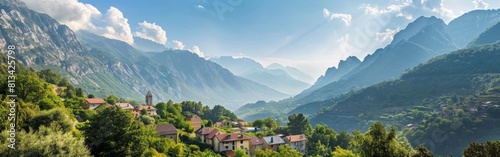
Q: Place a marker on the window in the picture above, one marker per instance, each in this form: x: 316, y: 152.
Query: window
x: 241, y: 142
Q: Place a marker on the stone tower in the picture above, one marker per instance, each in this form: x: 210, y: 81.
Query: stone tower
x: 149, y: 99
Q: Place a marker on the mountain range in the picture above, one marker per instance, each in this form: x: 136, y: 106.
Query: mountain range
x: 277, y: 78
x: 440, y: 95
x: 103, y: 66
x: 424, y: 38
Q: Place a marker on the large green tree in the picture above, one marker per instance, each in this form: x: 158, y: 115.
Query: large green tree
x: 298, y: 124
x: 377, y: 141
x: 114, y: 132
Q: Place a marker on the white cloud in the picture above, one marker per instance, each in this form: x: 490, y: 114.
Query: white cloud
x: 326, y: 13
x: 196, y: 50
x: 200, y: 6
x: 82, y: 16
x: 179, y: 45
x: 411, y: 8
x: 480, y: 4
x: 346, y: 18
x: 386, y: 37
x: 152, y: 32
x: 72, y: 13
x: 117, y: 26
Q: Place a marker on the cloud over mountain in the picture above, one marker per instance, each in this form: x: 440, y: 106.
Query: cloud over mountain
x: 152, y: 31
x: 346, y: 18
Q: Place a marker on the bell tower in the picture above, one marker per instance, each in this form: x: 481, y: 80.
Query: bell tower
x: 149, y: 99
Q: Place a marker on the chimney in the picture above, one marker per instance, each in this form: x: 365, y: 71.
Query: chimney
x: 271, y: 139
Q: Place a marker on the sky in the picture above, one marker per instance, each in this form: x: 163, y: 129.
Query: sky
x: 308, y: 35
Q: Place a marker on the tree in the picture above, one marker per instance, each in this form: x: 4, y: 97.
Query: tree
x: 377, y: 141
x: 322, y: 141
x: 484, y: 149
x: 343, y: 139
x: 144, y: 111
x: 258, y: 123
x: 64, y: 82
x: 266, y: 153
x: 56, y: 116
x: 320, y: 149
x: 298, y: 124
x: 287, y: 151
x: 111, y: 99
x: 79, y: 92
x: 114, y: 132
x: 421, y: 151
x: 270, y: 123
x: 177, y: 149
x: 47, y: 141
x: 147, y: 120
x: 152, y: 153
x: 240, y: 153
x: 208, y: 153
x: 90, y: 96
x: 340, y: 152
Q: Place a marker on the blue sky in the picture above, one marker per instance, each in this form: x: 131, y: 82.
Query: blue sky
x: 309, y: 35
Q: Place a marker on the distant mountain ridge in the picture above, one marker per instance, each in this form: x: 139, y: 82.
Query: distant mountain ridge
x: 147, y: 45
x: 277, y: 79
x: 333, y: 74
x: 294, y: 72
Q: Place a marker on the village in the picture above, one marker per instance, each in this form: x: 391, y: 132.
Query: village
x: 223, y: 137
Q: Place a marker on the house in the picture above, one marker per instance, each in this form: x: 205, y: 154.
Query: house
x: 223, y: 124
x: 167, y: 130
x: 230, y: 142
x: 150, y: 109
x: 94, y: 102
x: 195, y: 120
x: 201, y: 133
x: 273, y: 142
x: 297, y: 142
x: 255, y: 143
x: 210, y: 137
x: 125, y: 106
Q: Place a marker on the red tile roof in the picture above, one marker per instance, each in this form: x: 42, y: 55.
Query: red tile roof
x: 166, y: 129
x: 296, y: 138
x: 204, y: 131
x: 94, y: 101
x: 255, y: 141
x: 148, y: 108
x: 232, y: 137
x: 213, y: 133
x: 229, y: 153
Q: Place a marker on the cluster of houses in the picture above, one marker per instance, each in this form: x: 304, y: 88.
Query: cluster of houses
x: 93, y: 103
x: 228, y: 143
x: 219, y: 141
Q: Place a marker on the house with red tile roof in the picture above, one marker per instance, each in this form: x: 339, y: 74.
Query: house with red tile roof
x: 150, y: 109
x: 255, y: 143
x: 297, y: 142
x: 231, y: 142
x: 210, y: 137
x: 125, y: 106
x: 94, y: 102
x: 201, y: 133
